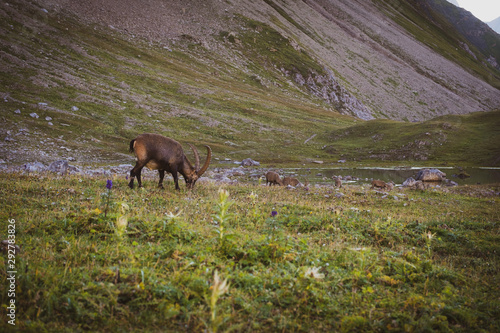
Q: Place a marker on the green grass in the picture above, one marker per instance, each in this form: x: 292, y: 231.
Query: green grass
x: 417, y: 261
x: 448, y: 140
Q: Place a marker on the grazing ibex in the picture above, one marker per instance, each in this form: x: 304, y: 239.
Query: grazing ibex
x: 291, y: 181
x: 338, y: 181
x: 381, y: 184
x: 272, y: 178
x: 164, y: 154
x: 378, y: 184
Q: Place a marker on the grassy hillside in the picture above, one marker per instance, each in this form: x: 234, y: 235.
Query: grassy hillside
x: 111, y: 260
x: 123, y: 89
x: 94, y: 89
x: 462, y: 140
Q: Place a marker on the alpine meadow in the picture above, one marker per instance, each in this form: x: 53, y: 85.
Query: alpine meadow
x: 301, y: 166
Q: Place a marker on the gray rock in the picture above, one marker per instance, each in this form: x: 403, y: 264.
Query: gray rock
x: 17, y: 111
x: 410, y: 182
x: 430, y: 175
x: 61, y: 167
x: 450, y: 183
x: 73, y: 169
x: 48, y: 118
x: 249, y: 162
x: 74, y: 108
x: 34, y: 167
x: 34, y: 115
x: 419, y: 185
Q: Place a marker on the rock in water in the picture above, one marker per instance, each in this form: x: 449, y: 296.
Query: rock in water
x: 431, y: 175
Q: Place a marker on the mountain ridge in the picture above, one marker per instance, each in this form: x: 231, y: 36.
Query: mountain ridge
x: 495, y: 25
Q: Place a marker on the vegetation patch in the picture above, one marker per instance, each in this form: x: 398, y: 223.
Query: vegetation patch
x: 96, y: 255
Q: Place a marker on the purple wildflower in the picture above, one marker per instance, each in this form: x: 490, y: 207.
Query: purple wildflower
x: 109, y: 184
x: 274, y: 213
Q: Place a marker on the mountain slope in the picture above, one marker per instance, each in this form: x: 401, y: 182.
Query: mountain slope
x: 463, y: 23
x: 372, y: 57
x: 247, y: 77
x: 495, y: 25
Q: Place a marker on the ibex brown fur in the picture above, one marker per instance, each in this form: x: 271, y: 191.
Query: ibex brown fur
x: 381, y: 184
x: 338, y: 182
x: 164, y: 154
x: 272, y: 178
x: 291, y: 181
x: 378, y: 184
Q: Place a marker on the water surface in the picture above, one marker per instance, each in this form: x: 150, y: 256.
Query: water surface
x: 481, y: 175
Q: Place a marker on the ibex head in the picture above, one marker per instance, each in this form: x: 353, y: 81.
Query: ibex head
x: 195, y: 173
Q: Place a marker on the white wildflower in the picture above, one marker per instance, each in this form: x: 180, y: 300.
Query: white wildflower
x: 313, y: 272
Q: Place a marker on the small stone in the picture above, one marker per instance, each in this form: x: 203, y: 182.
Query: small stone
x: 17, y: 111
x: 74, y: 108
x: 48, y: 118
x: 34, y: 115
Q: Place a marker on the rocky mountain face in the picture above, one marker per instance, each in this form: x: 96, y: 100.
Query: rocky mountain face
x: 475, y: 31
x: 373, y: 65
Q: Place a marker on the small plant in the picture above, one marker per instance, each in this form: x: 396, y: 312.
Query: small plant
x: 109, y: 186
x: 218, y: 288
x: 122, y: 220
x: 253, y: 196
x: 222, y: 216
x: 272, y: 224
x: 171, y: 218
x: 428, y: 240
x: 313, y: 272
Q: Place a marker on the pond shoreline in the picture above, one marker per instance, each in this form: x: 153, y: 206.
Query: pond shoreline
x: 314, y: 174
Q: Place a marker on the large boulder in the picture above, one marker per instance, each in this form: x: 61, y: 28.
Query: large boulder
x: 431, y: 175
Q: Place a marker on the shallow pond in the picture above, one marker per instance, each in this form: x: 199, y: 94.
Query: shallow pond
x: 398, y: 175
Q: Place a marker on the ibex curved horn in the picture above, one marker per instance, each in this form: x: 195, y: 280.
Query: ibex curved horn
x: 207, y: 162
x: 196, y: 157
